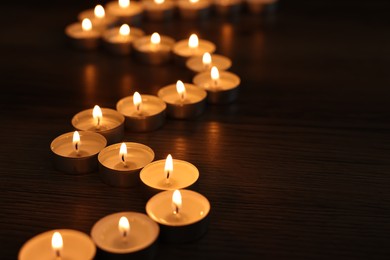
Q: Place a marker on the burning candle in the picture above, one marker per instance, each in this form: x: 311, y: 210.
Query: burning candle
x: 185, y: 49
x: 158, y: 10
x: 128, y: 234
x: 98, y: 17
x: 76, y: 152
x: 221, y: 86
x: 142, y: 112
x: 169, y: 174
x: 228, y: 7
x: 119, y: 164
x: 119, y: 40
x: 104, y: 121
x: 65, y: 244
x: 194, y: 9
x: 181, y: 214
x: 83, y: 35
x: 154, y: 49
x: 183, y: 100
x: 205, y: 62
x: 126, y: 11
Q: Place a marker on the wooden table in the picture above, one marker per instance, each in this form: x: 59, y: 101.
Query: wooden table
x: 298, y: 167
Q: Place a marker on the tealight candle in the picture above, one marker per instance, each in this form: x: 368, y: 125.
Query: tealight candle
x: 119, y: 164
x: 119, y: 40
x: 105, y: 121
x: 228, y: 7
x: 185, y: 49
x: 58, y: 244
x: 221, y: 87
x: 169, y: 174
x: 76, y: 152
x: 181, y: 214
x: 158, y: 10
x: 183, y: 100
x: 98, y: 17
x: 205, y: 62
x: 154, y: 49
x: 258, y: 6
x: 125, y: 11
x: 194, y: 9
x: 83, y: 35
x: 143, y: 113
x: 125, y: 234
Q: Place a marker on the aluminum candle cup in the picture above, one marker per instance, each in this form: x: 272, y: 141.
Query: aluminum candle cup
x: 190, y: 10
x: 182, y: 49
x: 138, y: 241
x: 83, y: 36
x: 80, y: 158
x: 184, y: 175
x: 99, y: 19
x: 223, y: 90
x: 192, y: 106
x: 111, y: 124
x: 149, y: 118
x: 123, y: 171
x: 228, y: 7
x: 259, y: 6
x: 154, y: 53
x: 186, y: 221
x: 159, y: 10
x: 71, y: 244
x: 197, y: 65
x: 121, y: 43
x: 129, y: 12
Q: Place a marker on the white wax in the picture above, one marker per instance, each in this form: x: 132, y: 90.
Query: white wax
x: 219, y: 61
x: 90, y: 144
x: 181, y: 48
x: 151, y: 105
x: 151, y: 6
x: 75, y: 31
x: 227, y: 2
x: 133, y: 9
x: 195, y: 207
x: 100, y: 23
x: 85, y: 121
x: 193, y: 94
x: 76, y: 246
x: 143, y: 232
x: 113, y: 36
x: 138, y: 155
x: 184, y: 174
x: 226, y: 81
x: 186, y: 4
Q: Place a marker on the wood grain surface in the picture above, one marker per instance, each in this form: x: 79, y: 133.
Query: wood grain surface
x: 297, y: 168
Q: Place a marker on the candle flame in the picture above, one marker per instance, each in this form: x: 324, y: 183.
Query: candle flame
x: 206, y: 59
x: 155, y: 38
x: 99, y: 11
x: 86, y: 25
x: 123, y: 153
x: 124, y: 3
x: 97, y: 115
x: 137, y: 101
x: 176, y: 202
x: 124, y: 30
x: 124, y: 226
x: 168, y: 169
x: 159, y: 2
x: 76, y: 141
x: 181, y: 89
x: 57, y: 243
x: 193, y: 41
x: 214, y: 75
x: 194, y: 1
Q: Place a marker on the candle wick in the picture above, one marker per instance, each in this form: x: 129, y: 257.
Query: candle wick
x: 139, y: 109
x: 176, y: 212
x: 168, y: 172
x: 76, y: 147
x: 124, y: 233
x: 98, y: 123
x: 58, y: 254
x: 123, y: 160
x: 216, y: 82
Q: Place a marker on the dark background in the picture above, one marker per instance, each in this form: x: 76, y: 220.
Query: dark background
x: 297, y: 168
